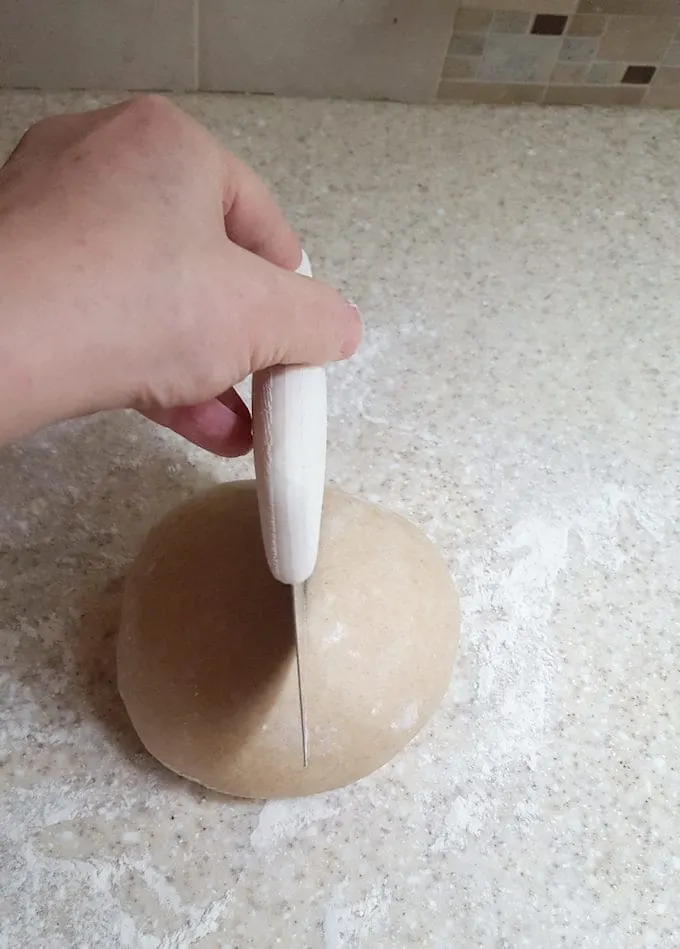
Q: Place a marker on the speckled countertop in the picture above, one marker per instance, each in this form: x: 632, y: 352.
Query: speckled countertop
x: 517, y: 395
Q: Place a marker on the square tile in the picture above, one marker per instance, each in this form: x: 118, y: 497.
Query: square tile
x: 363, y: 49
x: 606, y: 74
x: 667, y: 76
x: 97, y: 44
x: 466, y: 44
x: 518, y: 58
x: 636, y: 39
x: 569, y: 74
x: 549, y: 24
x: 672, y: 56
x: 578, y: 49
x: 511, y: 21
x: 662, y: 97
x: 594, y: 95
x: 460, y: 67
x: 531, y: 6
x: 491, y: 93
x: 630, y: 7
x: 471, y: 20
x: 638, y: 75
x: 585, y: 24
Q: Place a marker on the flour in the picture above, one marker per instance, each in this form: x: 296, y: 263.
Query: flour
x: 407, y: 719
x: 507, y: 616
x: 281, y: 821
x: 350, y: 924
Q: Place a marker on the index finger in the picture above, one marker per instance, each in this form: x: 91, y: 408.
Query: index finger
x: 253, y: 219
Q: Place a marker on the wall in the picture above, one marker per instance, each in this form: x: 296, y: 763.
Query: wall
x: 555, y: 51
x: 598, y: 52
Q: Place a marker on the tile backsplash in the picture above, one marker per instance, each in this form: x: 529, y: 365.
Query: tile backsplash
x: 597, y: 52
x: 570, y: 52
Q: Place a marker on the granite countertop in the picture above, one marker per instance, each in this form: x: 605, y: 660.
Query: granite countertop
x: 518, y: 396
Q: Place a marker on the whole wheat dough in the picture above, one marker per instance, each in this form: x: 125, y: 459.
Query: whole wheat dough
x: 206, y: 662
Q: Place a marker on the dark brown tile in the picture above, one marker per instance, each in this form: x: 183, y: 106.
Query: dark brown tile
x: 585, y: 24
x: 549, y: 24
x: 491, y: 93
x: 639, y: 75
x: 472, y: 20
x: 594, y: 95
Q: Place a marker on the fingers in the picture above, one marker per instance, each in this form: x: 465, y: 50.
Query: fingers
x: 253, y: 219
x: 287, y: 319
x: 221, y: 426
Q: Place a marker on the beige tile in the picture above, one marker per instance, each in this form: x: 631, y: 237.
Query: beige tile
x: 594, y: 95
x: 511, y: 21
x: 356, y: 49
x: 578, y: 49
x: 569, y: 74
x: 497, y: 93
x: 460, y: 67
x: 667, y: 76
x: 606, y: 74
x: 518, y: 59
x: 663, y: 97
x: 583, y: 24
x: 472, y: 20
x: 630, y: 7
x: 86, y: 44
x: 672, y: 57
x: 533, y: 6
x: 466, y: 44
x: 636, y: 39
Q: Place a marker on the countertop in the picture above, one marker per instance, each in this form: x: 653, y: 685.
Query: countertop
x: 518, y: 396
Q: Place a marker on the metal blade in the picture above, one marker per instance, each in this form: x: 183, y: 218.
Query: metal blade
x: 300, y: 620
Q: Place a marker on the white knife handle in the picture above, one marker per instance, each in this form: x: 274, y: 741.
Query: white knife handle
x: 289, y: 443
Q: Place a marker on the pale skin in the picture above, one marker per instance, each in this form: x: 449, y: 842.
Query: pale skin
x: 142, y: 265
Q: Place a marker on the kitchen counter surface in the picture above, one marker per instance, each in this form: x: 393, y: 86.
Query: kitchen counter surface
x: 518, y: 396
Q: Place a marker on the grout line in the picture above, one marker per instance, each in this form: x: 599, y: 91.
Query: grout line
x: 196, y: 65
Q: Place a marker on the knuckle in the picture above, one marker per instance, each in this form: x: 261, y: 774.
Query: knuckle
x: 37, y: 130
x: 152, y: 117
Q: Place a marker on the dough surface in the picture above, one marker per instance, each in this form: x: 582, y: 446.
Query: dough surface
x: 206, y: 655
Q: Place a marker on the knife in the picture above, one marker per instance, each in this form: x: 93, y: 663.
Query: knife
x: 289, y: 444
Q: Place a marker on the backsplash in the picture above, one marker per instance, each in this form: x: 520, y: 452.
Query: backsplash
x: 592, y: 52
x: 572, y: 52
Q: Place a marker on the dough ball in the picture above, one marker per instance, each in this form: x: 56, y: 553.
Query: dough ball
x: 206, y: 653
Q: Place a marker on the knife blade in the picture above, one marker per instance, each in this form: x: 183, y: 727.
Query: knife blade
x: 289, y: 443
x: 300, y: 621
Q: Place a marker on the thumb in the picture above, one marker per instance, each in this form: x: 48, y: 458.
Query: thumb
x: 296, y: 320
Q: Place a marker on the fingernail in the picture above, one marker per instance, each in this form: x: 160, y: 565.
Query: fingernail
x: 354, y: 331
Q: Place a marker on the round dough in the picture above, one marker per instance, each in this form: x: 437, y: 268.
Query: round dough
x: 206, y: 653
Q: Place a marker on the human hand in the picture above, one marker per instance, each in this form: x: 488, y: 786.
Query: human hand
x: 143, y: 265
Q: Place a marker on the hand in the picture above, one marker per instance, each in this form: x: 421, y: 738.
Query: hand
x: 143, y: 265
